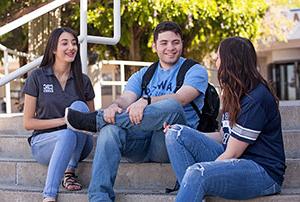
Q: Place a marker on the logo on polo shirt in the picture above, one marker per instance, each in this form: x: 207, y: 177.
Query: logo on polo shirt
x: 48, y: 88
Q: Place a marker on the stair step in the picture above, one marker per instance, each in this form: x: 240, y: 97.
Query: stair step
x: 153, y: 176
x: 12, y: 124
x: 16, y: 146
x: 291, y: 140
x: 289, y: 110
x: 290, y: 114
x: 130, y: 175
x: 19, y: 193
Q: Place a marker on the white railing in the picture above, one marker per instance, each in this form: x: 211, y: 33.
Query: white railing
x: 114, y: 83
x: 31, y: 16
x: 6, y: 52
x: 83, y: 38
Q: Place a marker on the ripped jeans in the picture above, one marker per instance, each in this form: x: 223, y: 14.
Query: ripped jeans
x: 192, y: 157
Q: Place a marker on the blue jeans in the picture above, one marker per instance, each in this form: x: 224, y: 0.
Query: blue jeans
x: 60, y: 150
x: 144, y: 142
x: 192, y: 157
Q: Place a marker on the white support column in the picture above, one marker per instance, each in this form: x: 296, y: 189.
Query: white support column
x: 7, y: 86
x: 114, y: 87
x: 98, y: 92
x: 122, y: 72
x: 83, y: 34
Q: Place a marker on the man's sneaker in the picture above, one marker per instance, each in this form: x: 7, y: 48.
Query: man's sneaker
x: 80, y: 121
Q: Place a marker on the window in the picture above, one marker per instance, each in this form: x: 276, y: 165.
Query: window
x: 286, y: 80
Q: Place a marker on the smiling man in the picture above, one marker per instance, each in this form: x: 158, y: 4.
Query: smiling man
x: 132, y: 126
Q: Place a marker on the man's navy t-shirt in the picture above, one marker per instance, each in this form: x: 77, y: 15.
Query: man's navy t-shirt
x: 51, y: 99
x: 259, y: 124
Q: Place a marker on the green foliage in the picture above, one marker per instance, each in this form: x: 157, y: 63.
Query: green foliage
x: 204, y: 24
x: 16, y: 39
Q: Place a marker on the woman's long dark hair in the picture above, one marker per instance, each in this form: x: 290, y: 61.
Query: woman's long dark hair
x: 49, y: 57
x: 238, y: 73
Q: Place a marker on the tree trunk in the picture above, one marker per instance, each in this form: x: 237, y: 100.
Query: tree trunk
x: 134, y: 49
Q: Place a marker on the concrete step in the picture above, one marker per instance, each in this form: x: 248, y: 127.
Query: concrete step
x: 291, y: 140
x: 17, y: 193
x: 12, y: 124
x: 16, y: 146
x: 290, y: 114
x: 289, y: 110
x: 153, y: 176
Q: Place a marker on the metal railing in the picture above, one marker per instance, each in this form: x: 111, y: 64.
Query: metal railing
x: 84, y: 38
x: 6, y: 52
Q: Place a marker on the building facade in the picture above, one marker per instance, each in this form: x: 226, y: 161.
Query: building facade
x: 280, y: 62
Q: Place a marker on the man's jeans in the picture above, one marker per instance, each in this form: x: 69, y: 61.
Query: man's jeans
x: 192, y: 157
x: 60, y: 150
x: 144, y: 142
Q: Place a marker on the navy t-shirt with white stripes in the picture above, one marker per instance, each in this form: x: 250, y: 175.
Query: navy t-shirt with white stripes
x: 259, y: 125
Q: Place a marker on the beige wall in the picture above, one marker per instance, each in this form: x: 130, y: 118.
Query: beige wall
x: 279, y: 52
x: 285, y: 55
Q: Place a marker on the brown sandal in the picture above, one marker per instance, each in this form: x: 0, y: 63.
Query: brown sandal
x: 70, y: 182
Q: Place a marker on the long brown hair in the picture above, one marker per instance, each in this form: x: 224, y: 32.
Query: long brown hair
x: 49, y: 57
x: 238, y: 73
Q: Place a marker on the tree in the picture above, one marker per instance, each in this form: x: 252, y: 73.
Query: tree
x: 11, y: 10
x: 204, y: 23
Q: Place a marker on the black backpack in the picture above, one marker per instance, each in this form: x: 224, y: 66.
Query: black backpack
x: 210, y: 110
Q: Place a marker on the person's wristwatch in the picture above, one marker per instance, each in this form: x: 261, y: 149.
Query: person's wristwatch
x: 148, y: 98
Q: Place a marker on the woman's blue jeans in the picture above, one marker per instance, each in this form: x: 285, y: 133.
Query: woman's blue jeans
x: 60, y: 150
x: 192, y: 157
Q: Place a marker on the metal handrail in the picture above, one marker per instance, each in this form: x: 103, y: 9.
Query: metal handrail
x: 83, y: 38
x: 31, y: 16
x: 14, y: 52
x: 19, y: 72
x: 96, y: 39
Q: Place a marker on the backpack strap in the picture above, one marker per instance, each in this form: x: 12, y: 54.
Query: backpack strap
x: 148, y: 76
x: 187, y: 64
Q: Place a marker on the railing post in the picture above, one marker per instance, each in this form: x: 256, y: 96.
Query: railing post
x: 99, y: 91
x: 122, y: 74
x: 83, y: 34
x: 114, y: 87
x: 7, y: 86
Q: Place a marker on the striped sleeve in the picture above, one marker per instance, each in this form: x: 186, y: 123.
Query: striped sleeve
x: 244, y: 134
x: 250, y: 122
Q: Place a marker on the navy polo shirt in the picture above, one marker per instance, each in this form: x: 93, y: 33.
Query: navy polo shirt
x: 51, y: 98
x: 259, y: 124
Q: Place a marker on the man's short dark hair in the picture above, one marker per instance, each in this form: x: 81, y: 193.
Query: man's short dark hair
x: 167, y: 26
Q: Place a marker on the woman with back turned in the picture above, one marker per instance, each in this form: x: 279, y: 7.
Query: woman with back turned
x: 246, y: 158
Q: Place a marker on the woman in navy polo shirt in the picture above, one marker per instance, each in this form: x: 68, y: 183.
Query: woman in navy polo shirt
x: 57, y: 84
x: 246, y: 158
